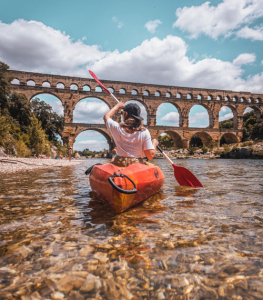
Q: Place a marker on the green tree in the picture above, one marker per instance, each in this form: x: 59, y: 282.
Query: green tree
x: 5, y: 132
x: 211, y: 145
x: 20, y: 110
x: 5, y: 88
x: 37, y: 136
x: 52, y: 123
x: 165, y: 141
x: 226, y: 124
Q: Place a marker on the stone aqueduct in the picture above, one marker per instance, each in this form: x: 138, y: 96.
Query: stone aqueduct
x: 151, y: 96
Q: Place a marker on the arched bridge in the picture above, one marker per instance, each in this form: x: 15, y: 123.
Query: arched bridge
x: 70, y: 90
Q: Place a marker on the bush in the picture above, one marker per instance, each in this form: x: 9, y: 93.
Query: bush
x: 22, y: 149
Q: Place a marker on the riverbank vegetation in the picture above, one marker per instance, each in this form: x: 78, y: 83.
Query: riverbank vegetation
x: 27, y: 127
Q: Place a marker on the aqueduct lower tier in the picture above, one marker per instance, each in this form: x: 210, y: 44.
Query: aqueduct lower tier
x: 71, y: 90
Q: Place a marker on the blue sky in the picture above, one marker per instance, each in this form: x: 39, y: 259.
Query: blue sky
x: 216, y: 44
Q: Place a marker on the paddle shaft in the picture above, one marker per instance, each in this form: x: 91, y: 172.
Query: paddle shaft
x: 114, y: 97
x: 104, y: 87
x: 165, y: 155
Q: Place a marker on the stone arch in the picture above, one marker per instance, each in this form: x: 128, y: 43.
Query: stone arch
x: 208, y: 110
x: 168, y: 94
x: 81, y: 108
x: 242, y: 99
x: 178, y: 109
x: 60, y: 85
x: 31, y: 82
x: 146, y: 93
x: 49, y: 93
x: 86, y: 88
x: 230, y: 138
x: 134, y: 92
x: 74, y: 87
x: 111, y: 89
x: 199, y: 97
x: 209, y: 97
x: 235, y: 115
x: 179, y: 95
x: 176, y: 137
x: 98, y: 89
x: 157, y: 94
x: 96, y: 97
x: 189, y: 96
x: 256, y: 110
x: 103, y: 132
x: 122, y: 91
x: 204, y: 136
x: 51, y: 99
x: 15, y: 81
x: 46, y: 84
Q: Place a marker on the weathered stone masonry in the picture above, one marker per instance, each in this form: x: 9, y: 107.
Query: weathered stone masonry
x: 151, y: 96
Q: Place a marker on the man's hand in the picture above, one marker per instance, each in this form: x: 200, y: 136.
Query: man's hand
x: 155, y: 143
x: 120, y: 105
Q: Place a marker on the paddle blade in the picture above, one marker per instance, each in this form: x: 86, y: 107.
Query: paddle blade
x: 95, y: 77
x: 185, y: 177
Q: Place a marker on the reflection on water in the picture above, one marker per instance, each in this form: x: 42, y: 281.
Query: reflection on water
x: 57, y: 242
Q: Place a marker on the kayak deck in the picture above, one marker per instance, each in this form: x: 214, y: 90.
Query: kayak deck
x: 148, y: 180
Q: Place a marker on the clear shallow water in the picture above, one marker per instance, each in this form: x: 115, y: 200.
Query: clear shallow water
x: 56, y: 241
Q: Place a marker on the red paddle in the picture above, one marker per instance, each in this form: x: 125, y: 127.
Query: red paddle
x: 104, y: 87
x: 181, y: 174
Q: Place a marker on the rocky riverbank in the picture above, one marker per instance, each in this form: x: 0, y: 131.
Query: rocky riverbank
x: 14, y: 164
x: 253, y: 150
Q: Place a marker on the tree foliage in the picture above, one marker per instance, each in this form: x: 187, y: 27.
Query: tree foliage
x: 5, y: 87
x: 165, y: 141
x: 51, y: 122
x: 26, y: 128
x: 252, y: 128
x: 196, y: 141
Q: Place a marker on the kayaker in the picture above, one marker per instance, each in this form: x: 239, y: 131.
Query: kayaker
x: 133, y: 141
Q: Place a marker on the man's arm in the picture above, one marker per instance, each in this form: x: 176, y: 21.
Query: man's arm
x: 110, y: 113
x: 151, y: 153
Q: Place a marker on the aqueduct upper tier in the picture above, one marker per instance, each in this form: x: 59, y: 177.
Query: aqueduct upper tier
x: 71, y: 90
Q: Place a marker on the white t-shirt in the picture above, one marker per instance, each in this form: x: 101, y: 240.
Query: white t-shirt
x: 129, y: 144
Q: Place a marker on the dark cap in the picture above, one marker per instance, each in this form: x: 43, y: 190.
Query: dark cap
x: 134, y: 110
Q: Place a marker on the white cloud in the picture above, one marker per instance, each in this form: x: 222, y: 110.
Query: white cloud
x: 119, y: 24
x: 261, y: 63
x: 152, y: 25
x: 244, y: 59
x: 171, y: 117
x: 220, y: 20
x: 225, y: 117
x: 90, y: 112
x: 197, y: 117
x: 250, y: 33
x: 32, y: 46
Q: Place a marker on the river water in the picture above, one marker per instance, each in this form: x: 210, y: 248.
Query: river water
x: 58, y: 242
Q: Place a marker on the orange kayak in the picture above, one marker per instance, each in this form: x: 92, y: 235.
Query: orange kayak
x: 122, y: 188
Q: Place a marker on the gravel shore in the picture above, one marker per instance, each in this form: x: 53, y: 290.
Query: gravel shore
x: 13, y: 164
